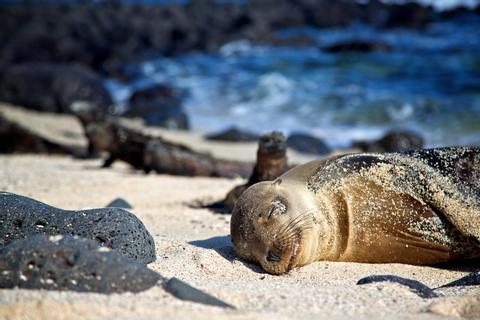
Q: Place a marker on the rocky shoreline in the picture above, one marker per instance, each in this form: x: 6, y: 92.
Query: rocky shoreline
x: 108, y: 35
x: 56, y: 57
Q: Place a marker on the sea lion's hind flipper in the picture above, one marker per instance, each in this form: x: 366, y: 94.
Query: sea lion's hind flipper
x: 415, y: 286
x: 447, y: 180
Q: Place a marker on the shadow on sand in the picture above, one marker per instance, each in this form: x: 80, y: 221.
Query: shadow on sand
x: 223, y: 246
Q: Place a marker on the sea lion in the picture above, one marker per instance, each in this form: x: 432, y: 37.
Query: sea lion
x: 420, y: 207
x: 271, y: 162
x: 144, y: 149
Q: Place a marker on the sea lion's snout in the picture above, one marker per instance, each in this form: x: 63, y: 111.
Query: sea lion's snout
x: 282, y: 258
x: 285, y: 251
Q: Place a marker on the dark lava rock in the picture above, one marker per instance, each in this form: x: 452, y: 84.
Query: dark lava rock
x: 159, y: 106
x: 393, y: 141
x: 233, y: 134
x: 106, y: 35
x: 54, y: 88
x: 408, y: 15
x: 64, y: 262
x: 307, y: 144
x: 116, y: 228
x: 358, y: 46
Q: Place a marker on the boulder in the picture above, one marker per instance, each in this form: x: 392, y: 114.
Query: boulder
x: 233, y: 134
x: 107, y: 35
x: 305, y: 143
x: 115, y: 228
x: 358, y: 46
x: 159, y: 106
x: 65, y: 262
x: 393, y: 141
x: 54, y: 88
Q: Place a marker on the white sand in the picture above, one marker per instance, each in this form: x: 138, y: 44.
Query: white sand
x: 193, y: 245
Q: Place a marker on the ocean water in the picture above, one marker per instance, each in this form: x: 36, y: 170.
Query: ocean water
x: 428, y: 83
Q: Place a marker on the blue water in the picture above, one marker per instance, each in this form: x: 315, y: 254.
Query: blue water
x: 429, y: 82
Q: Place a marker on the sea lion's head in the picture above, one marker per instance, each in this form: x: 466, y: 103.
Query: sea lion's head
x: 272, y: 225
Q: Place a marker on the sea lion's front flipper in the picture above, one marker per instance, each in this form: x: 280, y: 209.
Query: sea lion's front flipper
x: 448, y: 179
x: 387, y: 226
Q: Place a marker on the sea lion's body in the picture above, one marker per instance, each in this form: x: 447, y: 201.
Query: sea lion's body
x: 421, y: 207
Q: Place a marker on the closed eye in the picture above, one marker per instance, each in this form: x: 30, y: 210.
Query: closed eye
x: 278, y: 208
x: 272, y: 257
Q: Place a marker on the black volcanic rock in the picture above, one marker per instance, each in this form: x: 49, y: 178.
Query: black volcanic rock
x: 326, y: 13
x: 307, y: 144
x: 393, y: 141
x: 408, y: 15
x: 107, y: 35
x: 233, y: 134
x: 358, y: 46
x: 53, y: 88
x: 64, y: 262
x: 116, y: 228
x: 159, y: 106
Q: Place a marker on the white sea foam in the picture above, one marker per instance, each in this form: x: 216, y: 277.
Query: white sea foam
x: 437, y: 4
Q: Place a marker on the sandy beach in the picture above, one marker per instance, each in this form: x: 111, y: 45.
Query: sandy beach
x: 90, y: 90
x: 194, y: 245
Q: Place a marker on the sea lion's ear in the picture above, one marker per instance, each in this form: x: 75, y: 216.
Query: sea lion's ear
x: 277, y: 182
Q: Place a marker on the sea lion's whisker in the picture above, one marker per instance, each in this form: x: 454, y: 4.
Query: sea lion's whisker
x: 287, y: 239
x: 304, y: 215
x: 288, y: 235
x: 292, y: 235
x: 305, y: 219
x: 304, y: 224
